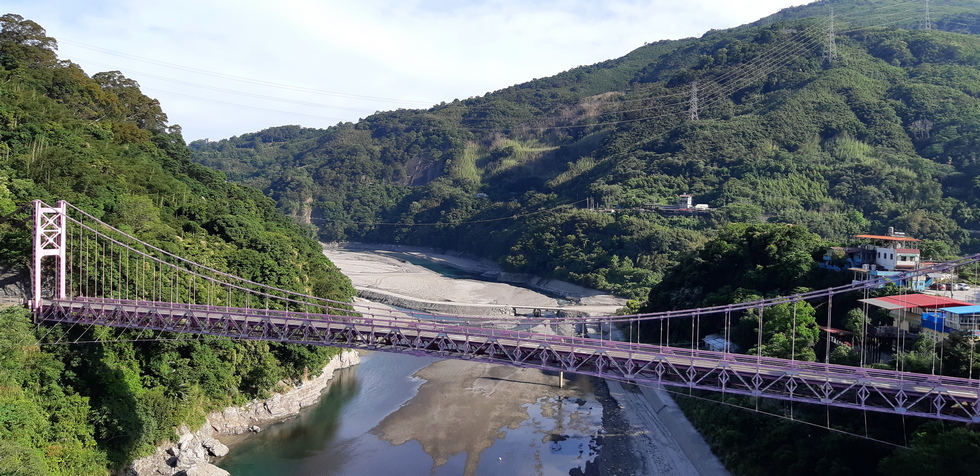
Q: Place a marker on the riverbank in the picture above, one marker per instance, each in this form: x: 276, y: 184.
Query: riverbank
x: 642, y: 430
x: 410, y: 273
x: 194, y: 451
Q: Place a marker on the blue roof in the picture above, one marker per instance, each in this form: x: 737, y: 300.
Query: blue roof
x: 962, y: 310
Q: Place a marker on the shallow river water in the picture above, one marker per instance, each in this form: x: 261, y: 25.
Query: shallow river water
x: 341, y: 435
x: 397, y: 414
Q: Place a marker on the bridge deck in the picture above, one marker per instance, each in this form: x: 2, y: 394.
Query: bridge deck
x: 842, y: 386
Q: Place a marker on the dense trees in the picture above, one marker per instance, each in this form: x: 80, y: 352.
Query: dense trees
x: 882, y: 137
x: 789, y: 331
x: 789, y: 150
x: 759, y: 258
x: 43, y: 426
x: 25, y: 43
x: 99, y: 143
x: 935, y: 450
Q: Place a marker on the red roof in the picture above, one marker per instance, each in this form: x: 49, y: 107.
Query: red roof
x: 885, y: 238
x: 925, y: 301
x: 907, y: 250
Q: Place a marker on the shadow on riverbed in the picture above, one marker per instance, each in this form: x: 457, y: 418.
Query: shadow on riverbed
x: 525, y: 382
x: 568, y: 378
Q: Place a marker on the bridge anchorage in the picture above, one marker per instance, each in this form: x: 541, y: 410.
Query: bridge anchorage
x: 88, y: 273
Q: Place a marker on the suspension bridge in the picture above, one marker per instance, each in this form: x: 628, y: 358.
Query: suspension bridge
x: 87, y: 273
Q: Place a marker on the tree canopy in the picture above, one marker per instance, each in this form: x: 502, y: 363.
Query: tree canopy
x: 101, y: 144
x: 883, y: 136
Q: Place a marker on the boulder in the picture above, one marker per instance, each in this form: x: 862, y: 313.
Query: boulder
x: 205, y: 469
x: 215, y: 447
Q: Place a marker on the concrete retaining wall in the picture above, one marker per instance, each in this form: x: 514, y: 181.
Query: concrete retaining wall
x: 435, y: 307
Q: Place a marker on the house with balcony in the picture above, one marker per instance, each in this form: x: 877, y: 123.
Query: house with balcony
x: 880, y: 256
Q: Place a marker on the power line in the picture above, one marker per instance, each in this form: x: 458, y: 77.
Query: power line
x: 230, y: 91
x: 696, y: 99
x: 465, y: 222
x: 259, y: 82
x: 247, y: 106
x: 200, y: 71
x: 693, y: 110
x: 748, y: 72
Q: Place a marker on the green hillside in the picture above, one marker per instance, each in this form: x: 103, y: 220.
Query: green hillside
x: 799, y: 131
x: 770, y: 124
x: 882, y: 134
x: 99, y: 143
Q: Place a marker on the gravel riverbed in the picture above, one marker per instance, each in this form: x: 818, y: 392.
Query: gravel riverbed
x: 642, y: 430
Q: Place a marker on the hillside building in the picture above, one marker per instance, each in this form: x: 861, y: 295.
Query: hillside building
x: 908, y: 311
x: 960, y: 318
x: 881, y: 256
x: 684, y: 201
x: 685, y: 206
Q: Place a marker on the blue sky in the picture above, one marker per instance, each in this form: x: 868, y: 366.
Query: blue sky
x: 227, y: 67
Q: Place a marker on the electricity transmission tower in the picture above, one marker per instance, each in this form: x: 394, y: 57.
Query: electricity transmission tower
x: 927, y: 24
x: 831, y: 46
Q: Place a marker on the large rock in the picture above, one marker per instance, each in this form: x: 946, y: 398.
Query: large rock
x: 205, y: 469
x: 14, y: 286
x: 215, y: 448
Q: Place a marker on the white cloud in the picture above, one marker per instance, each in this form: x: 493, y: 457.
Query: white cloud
x: 404, y: 50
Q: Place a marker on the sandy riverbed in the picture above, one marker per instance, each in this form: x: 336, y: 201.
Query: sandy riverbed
x: 643, y: 431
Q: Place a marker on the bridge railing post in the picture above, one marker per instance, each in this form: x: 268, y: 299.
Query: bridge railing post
x: 49, y: 240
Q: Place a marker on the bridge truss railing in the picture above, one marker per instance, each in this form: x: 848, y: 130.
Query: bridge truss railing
x: 89, y: 273
x: 858, y: 388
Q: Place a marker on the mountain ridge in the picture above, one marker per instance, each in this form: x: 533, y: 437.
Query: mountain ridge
x: 776, y: 132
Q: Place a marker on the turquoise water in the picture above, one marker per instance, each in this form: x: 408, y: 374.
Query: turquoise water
x: 326, y: 438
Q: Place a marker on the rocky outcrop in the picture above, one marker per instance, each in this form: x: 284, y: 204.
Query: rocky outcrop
x: 251, y: 417
x: 190, y: 456
x: 14, y: 285
x: 194, y: 451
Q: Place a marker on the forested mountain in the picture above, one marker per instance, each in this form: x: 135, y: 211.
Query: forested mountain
x: 767, y: 122
x: 799, y: 131
x: 102, y: 145
x: 838, y: 123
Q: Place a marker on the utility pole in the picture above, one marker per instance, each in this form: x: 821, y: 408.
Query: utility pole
x: 831, y: 45
x: 692, y: 111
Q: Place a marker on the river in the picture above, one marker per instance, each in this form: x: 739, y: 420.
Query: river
x: 374, y: 420
x: 402, y: 414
